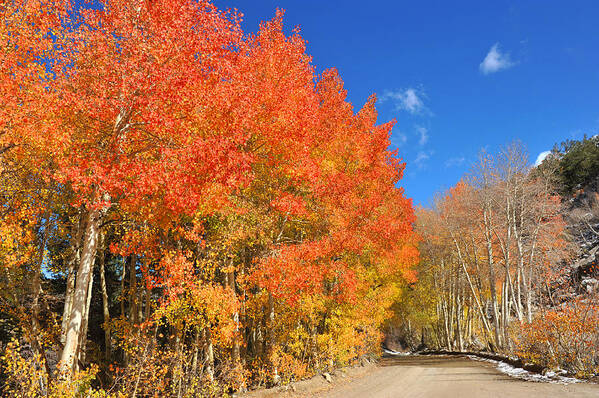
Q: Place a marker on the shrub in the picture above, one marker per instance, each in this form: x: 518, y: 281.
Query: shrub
x: 566, y: 338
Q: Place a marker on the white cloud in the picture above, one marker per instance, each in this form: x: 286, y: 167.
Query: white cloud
x: 410, y: 100
x: 422, y: 157
x: 495, y: 61
x: 541, y: 157
x: 455, y: 161
x: 401, y: 137
x: 423, y: 135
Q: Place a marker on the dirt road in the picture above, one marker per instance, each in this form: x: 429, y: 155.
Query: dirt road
x: 432, y: 376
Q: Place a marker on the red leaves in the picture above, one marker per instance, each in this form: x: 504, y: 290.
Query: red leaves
x: 327, y: 172
x: 289, y: 204
x: 140, y: 111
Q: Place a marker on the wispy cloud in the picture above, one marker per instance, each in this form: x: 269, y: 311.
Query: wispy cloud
x: 423, y: 135
x: 541, y: 157
x: 495, y: 61
x: 455, y: 161
x: 400, y: 137
x: 422, y: 157
x: 409, y: 99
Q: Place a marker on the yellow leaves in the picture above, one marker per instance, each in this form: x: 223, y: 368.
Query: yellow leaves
x: 289, y: 366
x: 194, y: 304
x: 27, y: 378
x: 24, y: 198
x: 17, y: 238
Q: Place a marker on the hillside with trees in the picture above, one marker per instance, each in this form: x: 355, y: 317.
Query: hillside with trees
x: 510, y: 253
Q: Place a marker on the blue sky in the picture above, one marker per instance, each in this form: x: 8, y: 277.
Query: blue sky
x: 458, y: 76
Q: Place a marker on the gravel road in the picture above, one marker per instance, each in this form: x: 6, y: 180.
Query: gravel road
x: 427, y: 376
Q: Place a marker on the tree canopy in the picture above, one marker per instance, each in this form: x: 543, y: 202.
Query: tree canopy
x: 199, y: 197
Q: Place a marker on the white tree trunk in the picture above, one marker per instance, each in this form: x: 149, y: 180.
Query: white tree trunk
x: 105, y: 303
x: 85, y: 323
x: 73, y: 261
x: 88, y: 254
x: 133, y: 311
x: 491, y: 264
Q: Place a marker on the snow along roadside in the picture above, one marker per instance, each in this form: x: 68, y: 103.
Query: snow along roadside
x: 506, y: 368
x: 519, y: 373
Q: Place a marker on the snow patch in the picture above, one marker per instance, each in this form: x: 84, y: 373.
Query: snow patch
x: 519, y: 373
x: 391, y: 352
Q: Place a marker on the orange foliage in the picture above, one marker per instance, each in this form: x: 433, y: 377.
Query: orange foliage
x: 261, y: 211
x: 563, y: 338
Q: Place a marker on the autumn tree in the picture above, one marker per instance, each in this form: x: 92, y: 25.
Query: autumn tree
x: 224, y: 211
